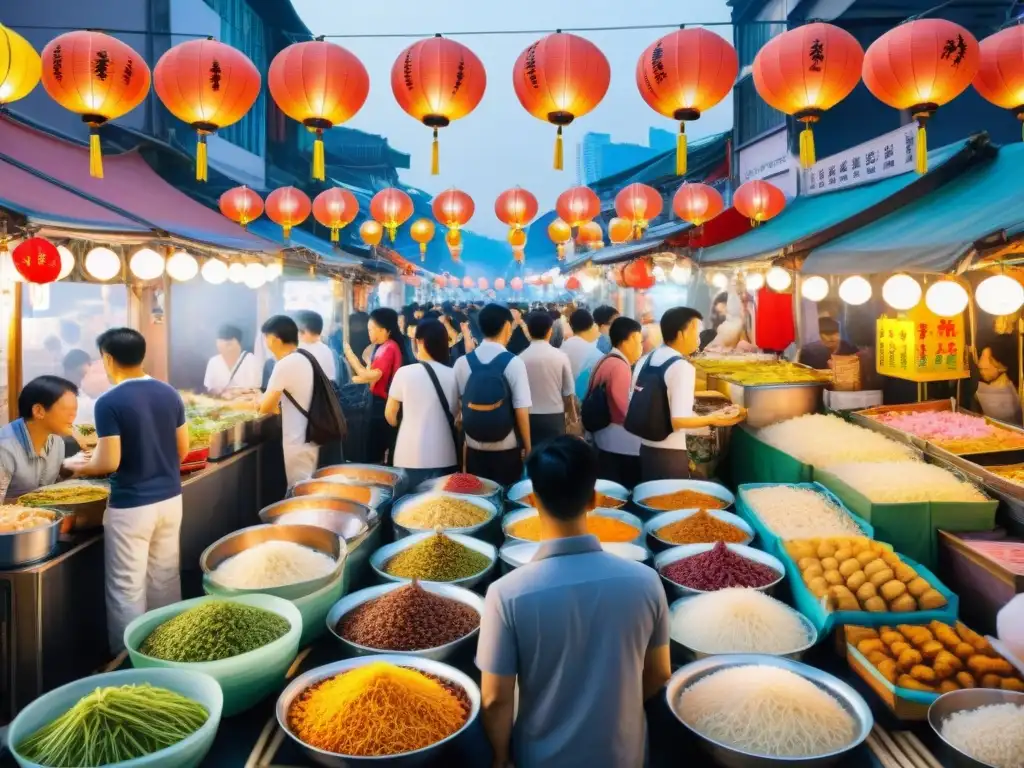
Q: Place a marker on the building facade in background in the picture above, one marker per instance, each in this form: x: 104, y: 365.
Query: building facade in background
x: 598, y: 157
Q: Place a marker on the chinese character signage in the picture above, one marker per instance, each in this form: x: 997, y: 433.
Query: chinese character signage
x: 887, y: 155
x: 921, y: 346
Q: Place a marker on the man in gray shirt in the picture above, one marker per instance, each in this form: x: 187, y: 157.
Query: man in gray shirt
x: 583, y: 632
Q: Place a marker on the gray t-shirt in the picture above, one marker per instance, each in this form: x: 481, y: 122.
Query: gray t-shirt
x: 574, y: 626
x: 27, y: 469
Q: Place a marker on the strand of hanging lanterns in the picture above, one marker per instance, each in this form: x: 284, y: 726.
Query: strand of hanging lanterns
x: 590, y: 235
x: 371, y: 232
x: 242, y: 205
x: 638, y: 204
x: 335, y: 209
x: 453, y: 209
x: 697, y: 203
x: 288, y: 207
x: 1000, y: 77
x: 516, y: 208
x: 758, y: 200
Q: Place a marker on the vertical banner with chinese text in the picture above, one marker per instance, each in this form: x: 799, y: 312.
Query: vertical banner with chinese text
x: 921, y: 346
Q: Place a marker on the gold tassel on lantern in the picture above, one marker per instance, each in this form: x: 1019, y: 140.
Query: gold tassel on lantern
x: 435, y: 157
x: 201, y: 164
x: 681, y: 150
x: 558, y: 150
x: 286, y: 230
x: 561, y: 252
x: 921, y: 147
x: 319, y: 162
x: 335, y: 234
x: 95, y: 153
x: 807, y: 154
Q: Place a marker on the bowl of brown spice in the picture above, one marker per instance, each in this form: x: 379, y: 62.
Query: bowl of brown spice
x: 425, y: 619
x: 696, y: 526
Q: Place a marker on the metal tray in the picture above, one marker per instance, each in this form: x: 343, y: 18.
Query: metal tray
x: 768, y: 404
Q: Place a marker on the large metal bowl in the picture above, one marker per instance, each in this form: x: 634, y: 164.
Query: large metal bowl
x: 656, y: 523
x: 729, y: 756
x: 371, y: 496
x: 442, y: 652
x: 697, y: 653
x: 320, y: 539
x: 81, y: 515
x: 385, y: 553
x: 347, y: 519
x: 660, y: 487
x: 524, y: 488
x: 515, y: 554
x: 418, y: 757
x: 684, y: 551
x: 402, y: 531
x: 367, y: 474
x: 19, y: 548
x: 514, y: 517
x: 959, y: 701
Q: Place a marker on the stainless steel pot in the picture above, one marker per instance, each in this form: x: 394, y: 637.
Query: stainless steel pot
x: 347, y: 519
x: 372, y: 496
x: 367, y: 474
x: 19, y: 548
x: 962, y: 701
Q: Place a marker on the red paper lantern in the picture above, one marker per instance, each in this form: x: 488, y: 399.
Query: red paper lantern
x: 440, y: 281
x: 638, y: 204
x: 619, y: 230
x: 1000, y: 77
x: 96, y: 76
x: 499, y: 284
x: 288, y: 207
x: 638, y: 274
x: 482, y: 283
x: 437, y: 81
x: 392, y: 208
x: 422, y: 231
x: 371, y: 232
x: 759, y: 200
x: 37, y: 260
x: 335, y: 209
x: 453, y: 282
x: 684, y: 74
x: 919, y: 66
x: 321, y: 85
x: 559, y: 78
x: 577, y: 205
x: 806, y: 71
x: 697, y: 203
x: 560, y: 234
x: 573, y: 283
x: 515, y: 207
x: 208, y: 85
x: 241, y: 205
x: 453, y: 208
x: 590, y: 234
x: 517, y: 283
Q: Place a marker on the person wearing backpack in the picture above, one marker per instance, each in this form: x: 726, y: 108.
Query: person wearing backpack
x: 310, y: 412
x: 605, y: 403
x: 495, y: 392
x: 661, y: 403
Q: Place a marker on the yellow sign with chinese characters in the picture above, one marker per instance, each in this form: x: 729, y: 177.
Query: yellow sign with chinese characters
x: 921, y: 346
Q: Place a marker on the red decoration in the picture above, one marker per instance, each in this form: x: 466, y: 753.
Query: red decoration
x: 440, y: 281
x: 559, y: 78
x: 242, y: 205
x: 1000, y: 77
x: 437, y: 81
x: 482, y: 283
x: 919, y: 66
x: 37, y: 260
x: 96, y: 76
x: 453, y: 208
x: 577, y: 205
x: 697, y: 203
x: 208, y: 85
x: 321, y: 85
x: 573, y: 283
x: 371, y: 232
x: 619, y: 230
x: 517, y: 283
x: 517, y: 238
x: 560, y: 234
x: 590, y: 234
x: 638, y: 204
x: 288, y: 207
x: 684, y: 74
x: 499, y: 284
x: 515, y: 207
x: 759, y: 200
x: 335, y: 208
x: 638, y: 274
x: 806, y: 71
x: 392, y: 208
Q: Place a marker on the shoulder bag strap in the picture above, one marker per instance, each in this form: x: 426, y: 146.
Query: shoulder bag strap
x: 288, y: 394
x: 593, y: 373
x: 445, y: 405
x: 238, y: 364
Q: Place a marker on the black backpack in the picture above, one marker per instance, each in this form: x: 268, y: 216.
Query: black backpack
x: 594, y: 410
x: 648, y: 416
x: 325, y: 423
x: 487, y: 412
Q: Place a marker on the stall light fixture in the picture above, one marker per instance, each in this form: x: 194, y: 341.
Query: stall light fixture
x: 146, y: 264
x: 215, y: 271
x: 236, y: 272
x: 659, y: 273
x: 946, y: 298
x: 999, y: 295
x: 102, y: 264
x: 814, y: 288
x: 67, y: 261
x: 274, y: 270
x: 255, y: 275
x: 855, y: 290
x: 182, y: 266
x: 779, y: 279
x: 7, y: 269
x: 720, y: 280
x: 901, y: 292
x: 754, y: 282
x: 681, y: 275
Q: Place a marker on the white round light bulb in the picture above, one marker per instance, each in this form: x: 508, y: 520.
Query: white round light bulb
x: 855, y: 290
x: 946, y: 298
x: 102, y: 264
x: 255, y: 275
x: 814, y: 288
x: 999, y: 295
x: 236, y: 272
x: 720, y: 280
x: 215, y: 271
x: 146, y: 264
x: 67, y: 261
x: 901, y: 292
x: 754, y: 282
x: 182, y: 266
x: 779, y: 279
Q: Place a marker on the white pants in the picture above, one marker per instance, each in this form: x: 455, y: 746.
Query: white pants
x: 142, y: 553
x: 300, y: 461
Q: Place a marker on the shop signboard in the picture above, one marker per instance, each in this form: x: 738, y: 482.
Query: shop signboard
x: 921, y: 346
x: 890, y: 154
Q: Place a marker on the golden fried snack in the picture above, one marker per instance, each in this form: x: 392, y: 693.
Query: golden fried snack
x: 875, y: 605
x: 916, y: 635
x: 906, y: 681
x: 877, y: 657
x: 909, y: 659
x: 966, y: 680
x: 890, y: 636
x: 932, y: 599
x: 963, y: 651
x: 932, y: 649
x: 878, y: 578
x: 946, y: 664
x: 1012, y: 684
x: 945, y: 686
x: 986, y: 665
x: 968, y: 635
x: 899, y: 647
x: 866, y: 592
x: 918, y: 587
x: 903, y: 604
x: 904, y: 572
x: 923, y: 673
x: 991, y: 681
x: 869, y: 646
x: 888, y: 669
x: 893, y: 589
x: 943, y: 632
x: 856, y: 580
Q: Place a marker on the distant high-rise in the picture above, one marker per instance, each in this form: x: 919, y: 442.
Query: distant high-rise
x: 597, y: 156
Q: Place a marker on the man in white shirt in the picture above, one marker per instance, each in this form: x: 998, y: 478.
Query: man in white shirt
x: 311, y: 326
x: 550, y: 377
x: 581, y: 347
x: 232, y: 368
x: 500, y: 461
x: 290, y: 389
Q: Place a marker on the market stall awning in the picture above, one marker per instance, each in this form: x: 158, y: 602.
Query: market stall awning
x: 934, y: 232
x: 809, y: 221
x: 130, y: 188
x: 653, y: 239
x: 302, y: 239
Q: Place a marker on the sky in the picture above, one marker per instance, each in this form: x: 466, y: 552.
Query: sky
x: 500, y: 145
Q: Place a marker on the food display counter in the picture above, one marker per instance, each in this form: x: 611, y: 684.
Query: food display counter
x: 771, y: 391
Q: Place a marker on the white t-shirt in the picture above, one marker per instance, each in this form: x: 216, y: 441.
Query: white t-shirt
x: 423, y: 436
x: 324, y: 356
x: 518, y: 381
x: 218, y: 373
x: 293, y: 373
x: 581, y: 354
x: 550, y: 377
x: 681, y: 382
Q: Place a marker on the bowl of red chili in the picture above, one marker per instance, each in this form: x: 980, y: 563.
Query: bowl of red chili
x: 692, y: 569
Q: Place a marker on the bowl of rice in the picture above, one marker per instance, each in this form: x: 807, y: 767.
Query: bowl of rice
x: 979, y: 727
x: 754, y: 711
x: 451, y: 512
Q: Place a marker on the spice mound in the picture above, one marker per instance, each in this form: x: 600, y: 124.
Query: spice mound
x: 15, y: 518
x: 273, y: 564
x: 719, y: 568
x: 114, y: 724
x: 378, y: 709
x: 217, y: 629
x: 64, y: 494
x: 461, y: 482
x: 601, y: 501
x: 701, y: 528
x: 684, y: 500
x: 441, y: 512
x: 408, y: 619
x: 437, y: 558
x: 608, y: 530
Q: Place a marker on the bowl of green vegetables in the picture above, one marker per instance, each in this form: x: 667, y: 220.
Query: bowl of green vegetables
x: 245, y: 642
x: 135, y: 718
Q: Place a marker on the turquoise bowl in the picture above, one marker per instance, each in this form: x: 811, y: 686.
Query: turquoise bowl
x: 188, y: 753
x: 246, y: 679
